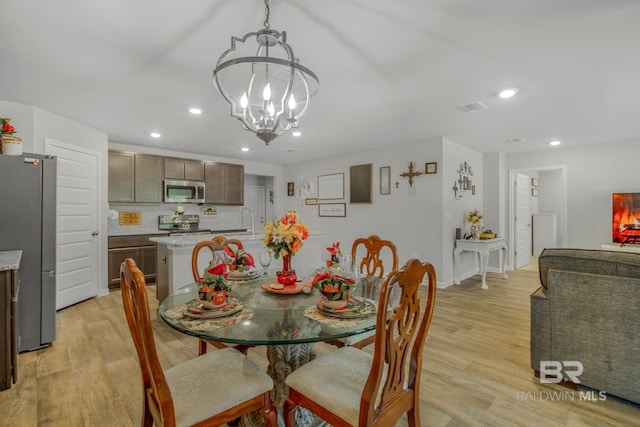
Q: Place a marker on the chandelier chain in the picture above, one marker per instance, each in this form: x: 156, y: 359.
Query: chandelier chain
x: 267, y: 11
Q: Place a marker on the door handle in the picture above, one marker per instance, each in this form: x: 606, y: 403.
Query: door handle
x: 94, y: 233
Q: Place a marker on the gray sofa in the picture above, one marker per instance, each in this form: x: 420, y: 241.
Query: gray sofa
x: 587, y: 309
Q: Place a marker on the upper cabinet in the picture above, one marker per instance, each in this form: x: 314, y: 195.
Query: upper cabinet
x: 192, y: 170
x: 148, y: 180
x: 135, y: 178
x: 138, y: 178
x: 224, y: 184
x: 121, y: 171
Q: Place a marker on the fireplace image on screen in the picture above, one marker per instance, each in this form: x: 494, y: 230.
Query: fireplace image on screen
x: 626, y: 218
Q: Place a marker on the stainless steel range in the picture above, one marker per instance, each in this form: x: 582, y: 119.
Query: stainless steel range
x: 181, y: 224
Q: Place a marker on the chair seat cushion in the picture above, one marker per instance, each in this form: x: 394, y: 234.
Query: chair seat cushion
x: 335, y: 381
x: 213, y: 383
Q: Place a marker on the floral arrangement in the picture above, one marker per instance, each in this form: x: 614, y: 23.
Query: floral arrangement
x: 240, y: 259
x: 7, y: 129
x: 474, y: 217
x: 285, y: 237
x: 331, y: 281
x: 334, y: 251
x: 215, y: 279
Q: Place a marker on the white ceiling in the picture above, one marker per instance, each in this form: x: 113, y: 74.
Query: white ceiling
x: 390, y: 71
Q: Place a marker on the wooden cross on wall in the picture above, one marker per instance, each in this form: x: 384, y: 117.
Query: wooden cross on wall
x: 410, y: 174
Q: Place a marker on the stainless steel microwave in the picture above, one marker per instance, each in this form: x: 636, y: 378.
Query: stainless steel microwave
x: 178, y: 191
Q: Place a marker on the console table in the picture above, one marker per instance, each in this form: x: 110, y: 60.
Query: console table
x: 621, y: 248
x: 482, y: 248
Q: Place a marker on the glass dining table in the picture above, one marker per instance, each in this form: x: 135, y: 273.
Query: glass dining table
x: 288, y: 321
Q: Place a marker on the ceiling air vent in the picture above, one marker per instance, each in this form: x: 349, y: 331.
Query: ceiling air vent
x: 517, y: 140
x: 474, y: 106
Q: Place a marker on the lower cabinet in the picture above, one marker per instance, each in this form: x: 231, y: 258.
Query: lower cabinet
x: 140, y: 249
x: 8, y: 333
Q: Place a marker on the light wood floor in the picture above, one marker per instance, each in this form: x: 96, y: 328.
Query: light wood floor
x: 476, y: 365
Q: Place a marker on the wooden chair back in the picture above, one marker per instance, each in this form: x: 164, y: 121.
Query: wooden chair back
x: 158, y: 401
x: 216, y: 245
x: 371, y: 264
x: 399, y: 342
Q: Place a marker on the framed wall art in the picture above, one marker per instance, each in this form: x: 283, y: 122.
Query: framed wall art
x: 311, y: 201
x: 534, y: 192
x: 534, y: 182
x: 385, y: 180
x: 291, y: 188
x: 431, y: 167
x: 332, y: 209
x: 360, y: 183
x: 331, y: 186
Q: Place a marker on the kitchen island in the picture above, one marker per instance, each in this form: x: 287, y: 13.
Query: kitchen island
x: 174, y: 257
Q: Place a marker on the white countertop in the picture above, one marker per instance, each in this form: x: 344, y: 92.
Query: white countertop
x: 186, y: 240
x: 10, y: 260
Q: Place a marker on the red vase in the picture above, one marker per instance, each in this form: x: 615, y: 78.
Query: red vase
x: 287, y: 276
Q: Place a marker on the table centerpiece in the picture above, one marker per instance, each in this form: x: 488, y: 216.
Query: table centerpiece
x: 241, y: 260
x: 284, y: 238
x: 335, y: 287
x: 214, y: 286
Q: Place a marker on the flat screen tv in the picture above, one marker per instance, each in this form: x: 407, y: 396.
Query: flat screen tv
x: 626, y: 218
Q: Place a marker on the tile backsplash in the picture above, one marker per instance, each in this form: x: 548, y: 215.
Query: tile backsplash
x: 227, y: 217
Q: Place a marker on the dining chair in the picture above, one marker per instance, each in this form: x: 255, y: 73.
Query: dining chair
x: 371, y: 265
x: 189, y: 393
x: 349, y: 386
x: 216, y: 245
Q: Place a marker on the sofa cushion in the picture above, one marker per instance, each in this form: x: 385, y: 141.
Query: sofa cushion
x: 610, y: 263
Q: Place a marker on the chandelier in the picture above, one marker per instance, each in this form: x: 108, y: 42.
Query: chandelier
x: 464, y: 180
x: 268, y: 89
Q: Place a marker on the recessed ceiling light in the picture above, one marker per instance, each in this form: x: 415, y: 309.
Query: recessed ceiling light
x: 555, y: 142
x: 296, y: 133
x: 155, y: 134
x: 245, y: 149
x: 195, y: 110
x: 508, y: 93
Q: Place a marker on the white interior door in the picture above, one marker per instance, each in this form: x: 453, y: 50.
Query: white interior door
x: 255, y: 199
x: 77, y: 224
x: 522, y: 221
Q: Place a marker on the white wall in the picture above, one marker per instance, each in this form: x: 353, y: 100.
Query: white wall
x: 594, y: 172
x: 552, y: 199
x: 35, y: 126
x: 421, y: 226
x: 455, y: 210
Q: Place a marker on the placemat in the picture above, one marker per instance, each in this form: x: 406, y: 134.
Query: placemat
x: 312, y: 312
x: 206, y: 325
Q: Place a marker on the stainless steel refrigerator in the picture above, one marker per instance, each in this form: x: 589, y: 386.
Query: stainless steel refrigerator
x: 28, y: 223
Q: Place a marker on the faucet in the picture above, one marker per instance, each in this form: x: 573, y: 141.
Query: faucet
x: 252, y: 229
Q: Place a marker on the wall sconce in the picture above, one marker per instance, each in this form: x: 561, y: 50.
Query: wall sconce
x: 464, y: 181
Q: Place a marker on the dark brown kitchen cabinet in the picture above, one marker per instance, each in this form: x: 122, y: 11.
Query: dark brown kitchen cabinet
x: 148, y: 178
x: 121, y: 177
x: 135, y: 178
x: 139, y: 248
x: 192, y: 170
x: 8, y: 332
x: 224, y: 184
